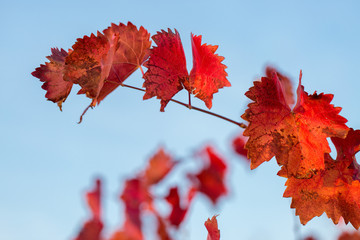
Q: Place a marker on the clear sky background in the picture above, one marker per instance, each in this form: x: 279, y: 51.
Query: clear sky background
x: 47, y: 160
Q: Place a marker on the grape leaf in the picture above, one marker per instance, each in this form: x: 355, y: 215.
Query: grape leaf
x: 208, y: 73
x: 334, y: 190
x: 210, y: 180
x: 285, y: 82
x: 131, y: 50
x: 297, y: 138
x: 212, y: 228
x: 93, y: 227
x: 167, y: 73
x: 57, y: 90
x: 166, y: 67
x: 86, y: 64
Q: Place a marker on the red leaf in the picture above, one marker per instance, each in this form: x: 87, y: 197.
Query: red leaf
x: 208, y: 73
x: 212, y: 228
x: 210, y: 180
x: 93, y: 227
x: 134, y: 196
x: 162, y: 230
x: 86, y: 64
x: 178, y: 212
x: 334, y: 190
x: 238, y: 145
x: 286, y: 84
x: 57, y: 90
x: 128, y: 232
x: 297, y: 138
x: 132, y: 49
x: 159, y: 166
x: 166, y: 67
x: 349, y: 236
x: 94, y: 200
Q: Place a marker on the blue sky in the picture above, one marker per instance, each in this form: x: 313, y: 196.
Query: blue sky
x: 47, y: 161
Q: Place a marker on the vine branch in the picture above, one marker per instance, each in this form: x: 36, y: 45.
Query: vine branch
x: 242, y: 125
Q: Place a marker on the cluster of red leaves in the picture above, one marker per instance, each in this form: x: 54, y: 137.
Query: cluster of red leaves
x: 138, y: 198
x: 298, y: 138
x: 102, y: 62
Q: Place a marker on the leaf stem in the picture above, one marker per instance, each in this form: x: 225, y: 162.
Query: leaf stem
x: 242, y: 125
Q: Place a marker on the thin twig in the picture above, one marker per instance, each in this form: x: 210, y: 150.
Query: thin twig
x: 242, y: 125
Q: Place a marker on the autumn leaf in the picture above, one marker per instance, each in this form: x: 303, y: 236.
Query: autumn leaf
x: 212, y: 228
x: 334, y: 190
x: 178, y: 210
x: 167, y: 73
x: 159, y: 166
x: 297, y: 137
x: 128, y: 232
x: 166, y: 67
x: 162, y: 229
x: 349, y: 236
x: 134, y: 196
x: 86, y: 63
x: 286, y: 84
x: 238, y: 145
x: 211, y: 179
x: 131, y: 50
x: 57, y: 90
x: 93, y: 227
x: 208, y: 73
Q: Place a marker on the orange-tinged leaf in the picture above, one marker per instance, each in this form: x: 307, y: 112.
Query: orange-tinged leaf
x: 128, y: 232
x: 211, y: 179
x: 159, y: 166
x: 162, y: 229
x: 349, y: 236
x: 166, y: 67
x: 94, y: 200
x: 131, y: 50
x: 57, y: 90
x: 297, y: 138
x: 334, y: 190
x: 208, y: 73
x: 212, y: 228
x: 86, y: 63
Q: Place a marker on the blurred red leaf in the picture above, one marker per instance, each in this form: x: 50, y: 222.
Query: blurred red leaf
x: 93, y: 227
x: 238, y: 145
x: 159, y: 166
x: 349, y: 236
x: 212, y: 228
x: 211, y: 179
x: 178, y: 212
